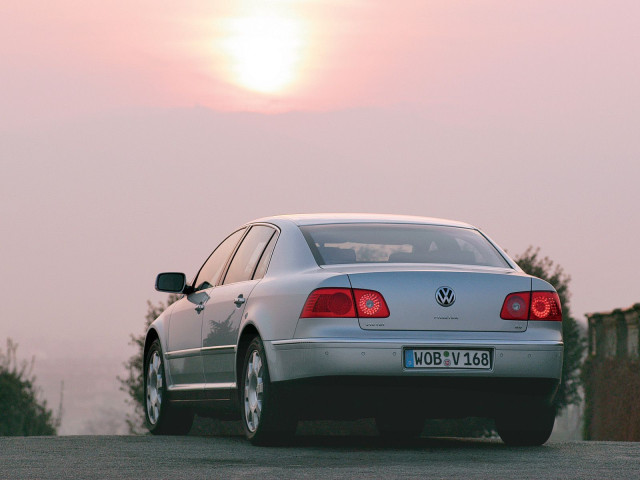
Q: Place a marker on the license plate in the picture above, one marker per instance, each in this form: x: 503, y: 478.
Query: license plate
x: 447, y: 358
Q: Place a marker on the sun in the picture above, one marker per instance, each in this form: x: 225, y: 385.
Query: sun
x: 265, y: 51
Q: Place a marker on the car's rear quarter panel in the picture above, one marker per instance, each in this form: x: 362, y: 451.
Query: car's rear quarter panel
x: 276, y: 302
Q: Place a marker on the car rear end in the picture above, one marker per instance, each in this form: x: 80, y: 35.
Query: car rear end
x: 432, y: 319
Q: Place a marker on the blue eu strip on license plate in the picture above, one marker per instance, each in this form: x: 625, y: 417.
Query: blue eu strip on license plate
x: 447, y: 358
x: 408, y: 358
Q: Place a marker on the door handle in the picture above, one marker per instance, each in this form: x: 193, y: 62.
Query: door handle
x: 239, y: 301
x: 199, y: 307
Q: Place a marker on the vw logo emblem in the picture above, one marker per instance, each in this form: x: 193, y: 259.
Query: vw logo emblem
x: 445, y: 296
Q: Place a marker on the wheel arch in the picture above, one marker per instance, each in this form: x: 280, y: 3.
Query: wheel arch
x: 152, y: 336
x: 248, y: 333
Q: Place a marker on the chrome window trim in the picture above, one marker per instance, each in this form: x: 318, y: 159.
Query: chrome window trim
x: 247, y: 228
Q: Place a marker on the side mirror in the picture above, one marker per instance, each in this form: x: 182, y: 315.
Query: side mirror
x: 171, y: 282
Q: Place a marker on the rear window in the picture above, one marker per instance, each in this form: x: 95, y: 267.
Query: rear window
x: 399, y: 243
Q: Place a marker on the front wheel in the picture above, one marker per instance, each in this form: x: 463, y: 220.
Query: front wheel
x: 161, y: 417
x: 529, y: 427
x: 264, y: 415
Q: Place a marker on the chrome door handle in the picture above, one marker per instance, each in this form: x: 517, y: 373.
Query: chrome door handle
x: 239, y: 301
x: 199, y: 307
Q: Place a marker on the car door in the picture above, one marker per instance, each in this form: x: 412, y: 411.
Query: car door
x: 224, y: 311
x: 184, y: 352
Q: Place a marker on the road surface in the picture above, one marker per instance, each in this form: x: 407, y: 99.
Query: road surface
x: 192, y: 457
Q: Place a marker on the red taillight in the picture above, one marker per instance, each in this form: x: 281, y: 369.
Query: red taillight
x: 370, y: 304
x: 516, y: 306
x: 546, y: 306
x: 341, y: 303
x: 532, y: 306
x: 329, y: 302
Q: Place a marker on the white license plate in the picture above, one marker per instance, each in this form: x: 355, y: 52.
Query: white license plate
x: 447, y: 358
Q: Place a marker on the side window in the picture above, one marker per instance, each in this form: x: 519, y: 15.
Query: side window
x: 246, y: 258
x: 210, y: 271
x: 261, y: 269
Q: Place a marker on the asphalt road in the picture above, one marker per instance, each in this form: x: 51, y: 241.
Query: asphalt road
x: 131, y: 457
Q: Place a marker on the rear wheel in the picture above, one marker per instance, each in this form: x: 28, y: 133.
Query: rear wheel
x: 264, y: 415
x: 161, y: 417
x: 529, y: 427
x: 399, y: 426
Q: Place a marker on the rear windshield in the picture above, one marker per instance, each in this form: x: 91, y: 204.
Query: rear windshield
x: 399, y: 243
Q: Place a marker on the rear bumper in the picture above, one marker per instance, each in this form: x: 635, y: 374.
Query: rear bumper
x: 312, y: 358
x: 347, y: 379
x: 351, y: 397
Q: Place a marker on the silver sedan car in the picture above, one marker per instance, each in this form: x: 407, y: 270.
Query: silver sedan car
x: 349, y: 316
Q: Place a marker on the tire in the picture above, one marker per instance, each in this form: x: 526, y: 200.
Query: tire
x: 265, y: 416
x: 161, y: 417
x: 529, y: 427
x: 398, y: 427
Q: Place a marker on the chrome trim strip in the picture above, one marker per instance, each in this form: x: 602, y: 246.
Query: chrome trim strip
x: 190, y: 352
x: 413, y: 341
x: 222, y: 347
x: 219, y: 386
x: 183, y: 387
x: 201, y: 386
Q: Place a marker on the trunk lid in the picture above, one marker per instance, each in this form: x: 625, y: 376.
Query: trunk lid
x: 411, y: 295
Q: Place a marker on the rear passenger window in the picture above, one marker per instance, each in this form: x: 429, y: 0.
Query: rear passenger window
x: 261, y: 269
x: 246, y: 258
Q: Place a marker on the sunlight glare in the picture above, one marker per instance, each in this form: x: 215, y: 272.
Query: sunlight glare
x: 265, y: 51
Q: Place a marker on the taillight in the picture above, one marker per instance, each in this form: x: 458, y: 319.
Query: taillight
x: 344, y: 303
x: 329, y: 302
x: 370, y: 304
x: 546, y: 306
x: 532, y: 306
x: 516, y: 306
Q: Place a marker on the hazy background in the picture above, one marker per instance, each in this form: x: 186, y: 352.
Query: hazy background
x: 129, y: 145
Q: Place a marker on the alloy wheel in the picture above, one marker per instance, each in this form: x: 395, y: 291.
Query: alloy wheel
x: 154, y: 388
x: 253, y: 391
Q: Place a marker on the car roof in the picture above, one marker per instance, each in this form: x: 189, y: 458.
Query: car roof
x: 332, y: 218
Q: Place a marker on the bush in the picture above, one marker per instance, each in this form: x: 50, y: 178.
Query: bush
x: 21, y: 411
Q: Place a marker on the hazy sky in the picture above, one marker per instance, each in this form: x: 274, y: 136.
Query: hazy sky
x: 135, y: 135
